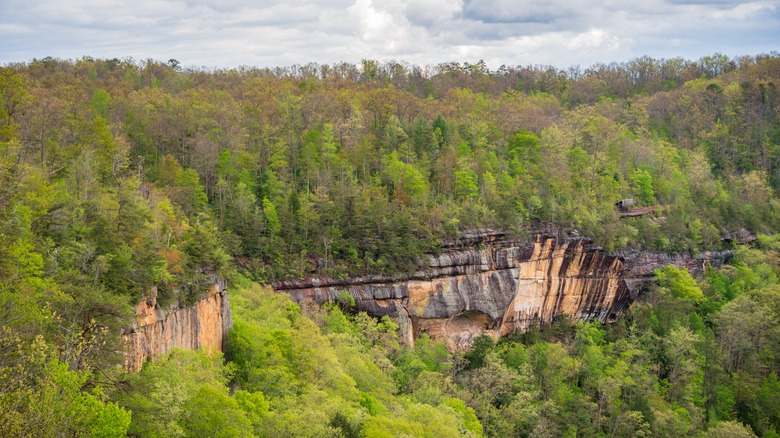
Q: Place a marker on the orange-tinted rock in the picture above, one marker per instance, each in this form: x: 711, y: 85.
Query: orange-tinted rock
x: 202, y: 325
x: 494, y: 286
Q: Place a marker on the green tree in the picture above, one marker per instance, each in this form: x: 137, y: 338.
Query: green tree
x: 643, y: 183
x: 680, y: 283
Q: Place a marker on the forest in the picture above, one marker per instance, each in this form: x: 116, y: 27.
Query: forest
x: 117, y: 176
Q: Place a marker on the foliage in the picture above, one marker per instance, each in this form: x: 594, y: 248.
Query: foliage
x: 330, y: 169
x: 329, y: 378
x: 119, y: 178
x: 680, y: 283
x: 688, y: 359
x: 42, y: 396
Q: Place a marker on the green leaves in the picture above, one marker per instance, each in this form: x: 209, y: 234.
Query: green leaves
x: 212, y: 412
x: 643, y: 183
x: 680, y: 283
x: 13, y: 98
x: 116, y: 177
x: 407, y: 185
x: 41, y: 395
x: 301, y: 379
x: 466, y: 184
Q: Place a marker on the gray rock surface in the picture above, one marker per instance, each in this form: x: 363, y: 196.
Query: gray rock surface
x: 485, y: 283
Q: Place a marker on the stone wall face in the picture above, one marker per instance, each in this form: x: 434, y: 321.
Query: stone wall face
x: 202, y: 325
x: 480, y: 284
x: 495, y: 286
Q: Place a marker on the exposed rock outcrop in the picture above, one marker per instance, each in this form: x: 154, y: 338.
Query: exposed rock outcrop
x: 202, y: 325
x: 484, y: 283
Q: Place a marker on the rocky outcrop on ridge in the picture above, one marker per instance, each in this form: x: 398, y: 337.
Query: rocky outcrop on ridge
x: 202, y: 325
x: 486, y: 283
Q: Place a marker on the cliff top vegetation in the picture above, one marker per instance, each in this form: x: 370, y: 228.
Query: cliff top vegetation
x: 117, y: 176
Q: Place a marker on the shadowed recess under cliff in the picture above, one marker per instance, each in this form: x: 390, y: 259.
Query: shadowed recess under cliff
x: 485, y: 283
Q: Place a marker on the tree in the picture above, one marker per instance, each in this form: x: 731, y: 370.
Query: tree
x: 406, y: 184
x: 466, y: 184
x: 680, y: 283
x: 643, y: 182
x: 730, y: 429
x: 201, y: 418
x: 40, y: 395
x: 683, y: 361
x: 13, y: 98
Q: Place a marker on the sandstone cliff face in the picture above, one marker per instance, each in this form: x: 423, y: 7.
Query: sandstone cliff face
x: 485, y: 284
x: 202, y: 325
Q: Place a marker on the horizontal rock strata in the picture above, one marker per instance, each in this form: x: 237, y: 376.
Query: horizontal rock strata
x: 484, y: 283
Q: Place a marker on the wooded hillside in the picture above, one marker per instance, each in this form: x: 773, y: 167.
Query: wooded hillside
x: 120, y: 175
x: 359, y: 169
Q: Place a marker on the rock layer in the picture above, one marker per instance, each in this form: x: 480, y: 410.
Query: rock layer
x: 202, y: 325
x: 486, y: 284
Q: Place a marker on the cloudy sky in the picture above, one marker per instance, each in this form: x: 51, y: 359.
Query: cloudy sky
x: 230, y: 33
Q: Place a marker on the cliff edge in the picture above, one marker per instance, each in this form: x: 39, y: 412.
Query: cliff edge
x: 202, y: 325
x: 486, y: 283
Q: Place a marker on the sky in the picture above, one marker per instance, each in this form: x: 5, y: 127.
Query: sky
x: 270, y: 33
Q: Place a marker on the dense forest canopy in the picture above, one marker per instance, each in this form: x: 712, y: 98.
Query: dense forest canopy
x: 359, y: 169
x: 117, y: 176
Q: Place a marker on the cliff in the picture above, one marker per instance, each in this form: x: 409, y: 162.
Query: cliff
x: 484, y: 283
x: 202, y: 325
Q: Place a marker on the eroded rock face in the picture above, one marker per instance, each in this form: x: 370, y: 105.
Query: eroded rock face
x: 202, y: 325
x: 485, y: 284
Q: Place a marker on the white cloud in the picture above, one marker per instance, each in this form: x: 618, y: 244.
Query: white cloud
x: 745, y: 11
x: 14, y: 29
x: 594, y: 39
x: 278, y: 32
x: 431, y: 12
